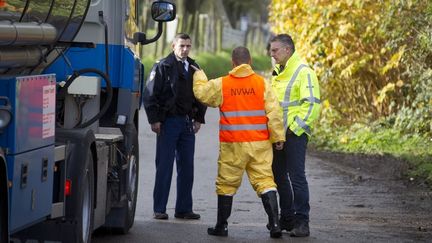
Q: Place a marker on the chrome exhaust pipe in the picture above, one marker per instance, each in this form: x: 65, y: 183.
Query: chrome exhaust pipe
x: 27, y: 33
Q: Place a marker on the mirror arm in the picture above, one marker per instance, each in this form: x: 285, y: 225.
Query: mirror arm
x: 156, y: 37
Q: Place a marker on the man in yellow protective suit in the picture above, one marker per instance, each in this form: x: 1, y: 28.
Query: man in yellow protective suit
x: 297, y: 89
x: 250, y: 121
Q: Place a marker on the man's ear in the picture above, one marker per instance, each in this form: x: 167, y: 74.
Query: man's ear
x: 289, y: 51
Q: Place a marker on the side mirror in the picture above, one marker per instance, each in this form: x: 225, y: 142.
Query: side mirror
x: 163, y: 11
x: 139, y: 37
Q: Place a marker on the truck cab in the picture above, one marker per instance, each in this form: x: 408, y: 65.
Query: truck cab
x: 71, y: 80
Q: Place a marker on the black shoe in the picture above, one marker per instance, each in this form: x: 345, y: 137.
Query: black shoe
x: 286, y: 223
x: 157, y: 215
x: 190, y: 215
x: 301, y: 229
x: 218, y: 231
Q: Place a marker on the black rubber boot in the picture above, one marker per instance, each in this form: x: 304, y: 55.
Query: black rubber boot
x: 269, y: 200
x: 224, y: 211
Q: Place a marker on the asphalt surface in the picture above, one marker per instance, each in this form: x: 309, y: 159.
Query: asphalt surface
x: 343, y: 208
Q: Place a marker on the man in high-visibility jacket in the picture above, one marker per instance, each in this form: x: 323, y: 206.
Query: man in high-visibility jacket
x: 250, y: 121
x: 297, y: 89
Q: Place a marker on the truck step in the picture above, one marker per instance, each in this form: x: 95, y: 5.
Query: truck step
x: 109, y: 134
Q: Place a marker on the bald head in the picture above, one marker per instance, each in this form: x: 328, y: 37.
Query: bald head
x: 240, y: 55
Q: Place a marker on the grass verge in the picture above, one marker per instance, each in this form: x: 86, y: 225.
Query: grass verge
x: 375, y: 139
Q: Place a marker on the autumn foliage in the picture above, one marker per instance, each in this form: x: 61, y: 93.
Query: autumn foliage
x: 373, y: 58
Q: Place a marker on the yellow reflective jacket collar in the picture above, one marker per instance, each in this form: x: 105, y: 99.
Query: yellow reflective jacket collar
x: 293, y: 62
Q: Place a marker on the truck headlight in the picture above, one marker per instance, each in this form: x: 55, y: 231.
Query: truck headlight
x: 5, y: 112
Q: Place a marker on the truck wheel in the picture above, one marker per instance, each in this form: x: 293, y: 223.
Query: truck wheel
x: 120, y: 219
x: 84, y: 211
x: 4, y: 233
x: 132, y: 188
x: 128, y: 210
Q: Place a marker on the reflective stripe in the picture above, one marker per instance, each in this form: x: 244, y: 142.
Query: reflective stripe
x: 310, y: 105
x: 303, y: 125
x: 301, y: 122
x: 286, y: 104
x: 311, y: 100
x: 242, y: 113
x: 288, y: 92
x: 256, y: 127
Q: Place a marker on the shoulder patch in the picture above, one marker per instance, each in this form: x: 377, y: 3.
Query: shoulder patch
x: 152, y: 75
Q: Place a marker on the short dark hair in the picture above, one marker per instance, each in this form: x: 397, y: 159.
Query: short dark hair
x: 285, y: 39
x: 183, y: 36
x: 240, y: 55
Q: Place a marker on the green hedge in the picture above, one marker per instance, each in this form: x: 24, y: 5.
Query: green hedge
x: 217, y: 64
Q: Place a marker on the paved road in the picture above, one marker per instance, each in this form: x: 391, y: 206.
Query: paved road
x: 343, y: 210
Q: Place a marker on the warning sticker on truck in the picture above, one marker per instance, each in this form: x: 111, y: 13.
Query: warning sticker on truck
x: 48, y: 113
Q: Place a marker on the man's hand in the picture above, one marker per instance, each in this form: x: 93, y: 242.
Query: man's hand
x: 196, y: 126
x: 279, y: 145
x: 156, y: 127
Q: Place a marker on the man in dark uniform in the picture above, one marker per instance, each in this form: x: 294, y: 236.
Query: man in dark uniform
x: 175, y: 116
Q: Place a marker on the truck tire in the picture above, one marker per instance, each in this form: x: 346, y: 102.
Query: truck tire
x: 132, y: 187
x: 84, y: 211
x: 122, y: 218
x: 4, y: 232
x: 132, y: 175
x: 128, y: 210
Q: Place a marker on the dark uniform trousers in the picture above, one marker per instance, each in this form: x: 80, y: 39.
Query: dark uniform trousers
x: 176, y: 141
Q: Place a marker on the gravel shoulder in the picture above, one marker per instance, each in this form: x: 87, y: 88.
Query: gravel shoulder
x: 368, y: 195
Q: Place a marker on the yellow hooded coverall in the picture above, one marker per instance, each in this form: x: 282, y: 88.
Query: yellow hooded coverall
x: 253, y: 156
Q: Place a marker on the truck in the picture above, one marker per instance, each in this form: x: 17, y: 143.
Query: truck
x: 71, y: 80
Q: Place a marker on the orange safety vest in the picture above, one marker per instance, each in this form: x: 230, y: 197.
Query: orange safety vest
x: 242, y: 113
